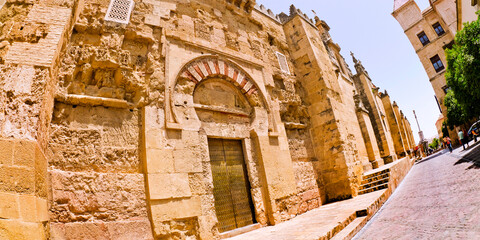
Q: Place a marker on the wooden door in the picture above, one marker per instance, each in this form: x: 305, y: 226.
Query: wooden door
x: 233, y: 203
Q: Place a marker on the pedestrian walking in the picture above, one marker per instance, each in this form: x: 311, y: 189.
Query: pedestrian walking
x: 448, y: 142
x: 462, y: 138
x: 474, y: 135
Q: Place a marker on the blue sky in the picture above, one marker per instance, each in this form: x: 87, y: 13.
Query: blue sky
x: 368, y: 29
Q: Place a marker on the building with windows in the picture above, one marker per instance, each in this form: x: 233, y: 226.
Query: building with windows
x: 430, y: 32
x: 466, y: 11
x: 156, y: 119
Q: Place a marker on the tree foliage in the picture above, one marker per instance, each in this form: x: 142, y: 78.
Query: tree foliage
x: 456, y: 114
x: 435, y: 143
x: 463, y: 75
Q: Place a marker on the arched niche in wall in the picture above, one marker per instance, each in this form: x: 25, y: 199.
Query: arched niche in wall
x: 213, y: 84
x: 216, y: 100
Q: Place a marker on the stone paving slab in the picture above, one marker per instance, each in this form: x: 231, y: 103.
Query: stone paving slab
x: 315, y: 224
x: 438, y: 200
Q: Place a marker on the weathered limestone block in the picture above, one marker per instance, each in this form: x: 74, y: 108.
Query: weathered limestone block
x: 28, y: 32
x: 276, y: 166
x: 166, y: 186
x: 182, y: 229
x: 79, y: 197
x: 18, y: 230
x: 24, y: 168
x: 305, y: 176
x: 22, y: 87
x: 187, y: 161
x: 202, y: 30
x: 101, y: 230
x: 32, y: 208
x: 45, y: 52
x: 97, y: 139
x: 279, y: 172
x: 17, y: 179
x: 160, y: 161
x: 23, y: 190
x: 165, y: 210
x: 9, y: 207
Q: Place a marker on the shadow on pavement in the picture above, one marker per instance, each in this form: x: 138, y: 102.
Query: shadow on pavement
x: 441, y: 152
x: 471, y: 157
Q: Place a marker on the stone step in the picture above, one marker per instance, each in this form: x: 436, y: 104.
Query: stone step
x: 374, y: 183
x: 386, y: 171
x: 353, y: 228
x: 375, y: 178
x: 372, y: 189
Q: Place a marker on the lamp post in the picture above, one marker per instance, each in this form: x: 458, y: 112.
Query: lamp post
x: 420, y: 133
x: 423, y: 143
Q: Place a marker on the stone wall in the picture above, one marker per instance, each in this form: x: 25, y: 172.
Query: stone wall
x: 290, y: 95
x: 95, y: 172
x: 394, y: 120
x: 31, y: 41
x: 368, y: 134
x: 339, y: 164
x: 23, y: 190
x: 403, y: 130
x: 105, y: 127
x: 369, y: 96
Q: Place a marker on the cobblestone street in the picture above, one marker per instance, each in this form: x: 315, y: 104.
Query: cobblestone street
x: 439, y: 199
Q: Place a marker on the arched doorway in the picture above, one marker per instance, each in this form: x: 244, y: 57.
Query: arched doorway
x: 219, y: 100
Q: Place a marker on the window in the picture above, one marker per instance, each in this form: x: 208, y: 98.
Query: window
x: 437, y: 63
x: 449, y: 45
x: 119, y: 11
x: 282, y: 60
x: 446, y: 89
x: 423, y: 38
x: 438, y: 29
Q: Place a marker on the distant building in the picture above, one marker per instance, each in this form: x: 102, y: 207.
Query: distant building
x: 439, y: 124
x: 466, y: 11
x: 430, y: 32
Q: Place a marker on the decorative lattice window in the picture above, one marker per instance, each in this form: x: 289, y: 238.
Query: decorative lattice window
x: 282, y: 60
x: 119, y: 11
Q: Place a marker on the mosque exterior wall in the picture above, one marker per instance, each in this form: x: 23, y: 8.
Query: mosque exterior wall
x: 193, y: 119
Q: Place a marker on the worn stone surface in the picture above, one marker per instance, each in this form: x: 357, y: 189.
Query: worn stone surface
x: 18, y: 230
x: 393, y: 121
x: 121, y: 116
x: 320, y: 223
x: 95, y: 171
